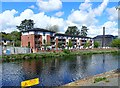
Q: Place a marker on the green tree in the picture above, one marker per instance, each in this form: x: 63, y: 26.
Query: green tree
x: 26, y: 25
x: 84, y: 31
x: 60, y: 44
x: 72, y: 30
x: 53, y: 28
x: 116, y: 43
x: 87, y: 44
x: 13, y: 36
x: 70, y: 44
x: 96, y: 44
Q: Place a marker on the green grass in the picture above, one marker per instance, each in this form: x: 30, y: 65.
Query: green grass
x: 100, y: 79
x: 15, y: 57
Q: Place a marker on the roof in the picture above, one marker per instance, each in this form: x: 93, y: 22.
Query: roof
x: 3, y: 39
x: 38, y: 29
x: 67, y: 35
x: 106, y: 36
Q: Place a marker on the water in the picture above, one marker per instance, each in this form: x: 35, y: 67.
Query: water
x: 57, y: 71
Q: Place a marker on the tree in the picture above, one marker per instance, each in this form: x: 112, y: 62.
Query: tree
x: 84, y: 31
x: 26, y: 25
x: 13, y: 36
x: 70, y: 44
x: 96, y: 44
x: 116, y: 43
x: 53, y: 28
x: 60, y: 44
x: 72, y: 30
x: 87, y: 44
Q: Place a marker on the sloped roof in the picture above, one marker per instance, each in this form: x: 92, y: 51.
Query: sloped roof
x: 106, y: 36
x: 67, y: 35
x: 39, y: 29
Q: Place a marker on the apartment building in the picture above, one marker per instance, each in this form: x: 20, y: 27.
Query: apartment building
x: 37, y: 39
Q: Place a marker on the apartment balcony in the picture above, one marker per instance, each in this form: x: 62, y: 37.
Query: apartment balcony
x: 37, y: 45
x: 59, y: 39
x: 52, y: 36
x: 52, y: 40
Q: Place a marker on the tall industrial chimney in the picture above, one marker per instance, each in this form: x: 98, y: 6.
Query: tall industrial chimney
x: 103, y: 37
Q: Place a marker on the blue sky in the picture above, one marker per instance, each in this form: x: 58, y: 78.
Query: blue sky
x: 94, y: 15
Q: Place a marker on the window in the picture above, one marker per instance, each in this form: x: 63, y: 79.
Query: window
x: 43, y: 33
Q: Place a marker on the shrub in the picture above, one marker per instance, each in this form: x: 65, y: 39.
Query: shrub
x: 99, y: 79
x: 96, y: 44
x: 66, y: 51
x: 116, y: 43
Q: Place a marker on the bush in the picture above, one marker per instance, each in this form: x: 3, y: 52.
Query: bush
x: 99, y: 79
x: 116, y: 43
x: 66, y: 51
x: 96, y: 44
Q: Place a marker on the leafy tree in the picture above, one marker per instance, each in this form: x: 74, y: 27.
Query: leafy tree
x: 26, y: 25
x: 70, y: 44
x: 87, y: 44
x: 72, y: 30
x: 116, y: 43
x: 84, y: 31
x: 13, y: 36
x: 96, y: 44
x: 53, y: 28
x: 60, y: 44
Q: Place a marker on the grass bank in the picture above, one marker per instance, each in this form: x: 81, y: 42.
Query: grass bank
x: 14, y: 57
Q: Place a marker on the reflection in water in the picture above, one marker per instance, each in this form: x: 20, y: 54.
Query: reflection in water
x: 58, y: 71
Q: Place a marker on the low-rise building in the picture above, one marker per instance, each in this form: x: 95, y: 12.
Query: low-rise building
x: 107, y: 40
x: 38, y: 39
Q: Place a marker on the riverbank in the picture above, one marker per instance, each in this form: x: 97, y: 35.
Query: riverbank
x: 110, y: 78
x: 14, y: 57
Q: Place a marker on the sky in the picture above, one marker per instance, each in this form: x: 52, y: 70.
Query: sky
x: 95, y: 15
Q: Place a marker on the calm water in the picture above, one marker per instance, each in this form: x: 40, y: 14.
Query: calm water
x: 57, y: 71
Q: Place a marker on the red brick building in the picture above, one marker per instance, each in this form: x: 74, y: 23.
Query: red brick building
x: 38, y: 38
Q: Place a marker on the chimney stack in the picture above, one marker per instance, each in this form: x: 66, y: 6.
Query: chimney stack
x: 103, y: 39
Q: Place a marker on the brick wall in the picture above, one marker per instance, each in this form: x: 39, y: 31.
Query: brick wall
x: 56, y: 41
x: 28, y: 38
x: 48, y: 39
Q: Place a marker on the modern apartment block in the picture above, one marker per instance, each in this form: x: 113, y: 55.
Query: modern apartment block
x: 38, y: 38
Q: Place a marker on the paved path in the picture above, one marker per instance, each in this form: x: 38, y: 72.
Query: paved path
x: 112, y: 77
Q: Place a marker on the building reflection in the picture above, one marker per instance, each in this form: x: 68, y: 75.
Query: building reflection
x: 32, y: 68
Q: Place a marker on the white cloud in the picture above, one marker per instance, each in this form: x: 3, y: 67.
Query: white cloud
x: 40, y: 19
x: 32, y: 7
x: 59, y: 14
x: 99, y: 10
x: 110, y: 28
x: 82, y: 16
x: 49, y: 5
x: 86, y: 15
x: 6, y: 19
x: 112, y: 13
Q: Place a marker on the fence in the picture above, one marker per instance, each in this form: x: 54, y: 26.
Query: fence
x: 16, y: 50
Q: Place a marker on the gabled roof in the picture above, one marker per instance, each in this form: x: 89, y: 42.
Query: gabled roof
x: 38, y: 29
x: 106, y: 36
